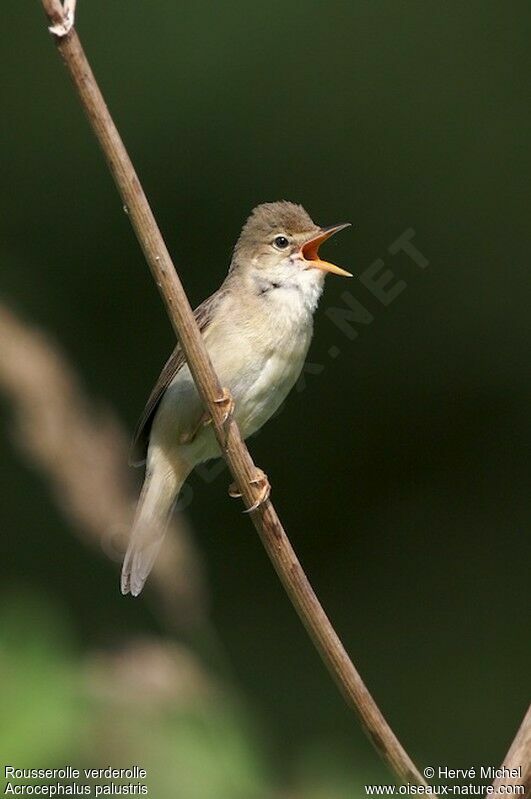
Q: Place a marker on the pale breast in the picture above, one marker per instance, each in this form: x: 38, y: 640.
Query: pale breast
x: 277, y: 376
x: 258, y: 354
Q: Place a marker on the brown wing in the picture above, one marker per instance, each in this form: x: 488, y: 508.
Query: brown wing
x: 203, y: 314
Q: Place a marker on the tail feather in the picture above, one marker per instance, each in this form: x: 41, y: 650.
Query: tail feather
x: 159, y: 492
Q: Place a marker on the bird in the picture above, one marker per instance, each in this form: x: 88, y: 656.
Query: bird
x: 257, y: 328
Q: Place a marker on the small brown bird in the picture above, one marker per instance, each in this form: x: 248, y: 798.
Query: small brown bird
x: 257, y: 329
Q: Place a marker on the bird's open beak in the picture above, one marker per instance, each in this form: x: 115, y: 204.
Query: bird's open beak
x: 310, y: 251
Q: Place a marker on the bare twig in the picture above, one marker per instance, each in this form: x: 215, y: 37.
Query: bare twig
x: 81, y: 450
x: 517, y: 761
x: 67, y: 22
x: 234, y: 450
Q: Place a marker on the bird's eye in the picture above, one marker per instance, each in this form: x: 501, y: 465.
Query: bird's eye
x: 280, y: 242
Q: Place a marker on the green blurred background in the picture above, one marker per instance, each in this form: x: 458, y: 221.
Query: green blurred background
x: 401, y: 470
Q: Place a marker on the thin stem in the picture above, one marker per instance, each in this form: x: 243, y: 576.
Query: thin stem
x: 62, y: 432
x: 234, y: 450
x: 518, y: 758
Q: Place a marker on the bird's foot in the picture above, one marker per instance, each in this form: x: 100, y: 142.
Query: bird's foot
x: 227, y: 403
x: 260, y: 480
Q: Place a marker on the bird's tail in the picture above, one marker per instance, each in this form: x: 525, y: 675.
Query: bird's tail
x: 162, y: 484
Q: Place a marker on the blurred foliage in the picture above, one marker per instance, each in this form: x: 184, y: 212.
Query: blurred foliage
x: 38, y: 683
x: 401, y: 471
x: 67, y: 709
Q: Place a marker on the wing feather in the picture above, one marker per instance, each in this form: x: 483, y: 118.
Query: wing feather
x: 203, y: 314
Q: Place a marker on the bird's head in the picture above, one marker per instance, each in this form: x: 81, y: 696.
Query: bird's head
x: 280, y: 243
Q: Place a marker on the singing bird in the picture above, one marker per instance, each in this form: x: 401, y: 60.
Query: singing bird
x: 257, y: 329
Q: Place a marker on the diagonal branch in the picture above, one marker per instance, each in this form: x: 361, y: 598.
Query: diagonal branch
x: 234, y: 451
x: 516, y: 768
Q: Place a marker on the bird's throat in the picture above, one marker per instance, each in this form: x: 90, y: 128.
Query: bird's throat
x: 298, y: 293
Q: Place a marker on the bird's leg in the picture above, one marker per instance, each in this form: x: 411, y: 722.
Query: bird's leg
x: 189, y: 436
x: 261, y: 480
x: 225, y: 400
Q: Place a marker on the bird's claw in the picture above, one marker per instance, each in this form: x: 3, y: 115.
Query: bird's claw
x: 264, y: 487
x: 226, y: 402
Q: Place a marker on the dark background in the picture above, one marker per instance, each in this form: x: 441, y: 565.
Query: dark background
x: 401, y: 471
